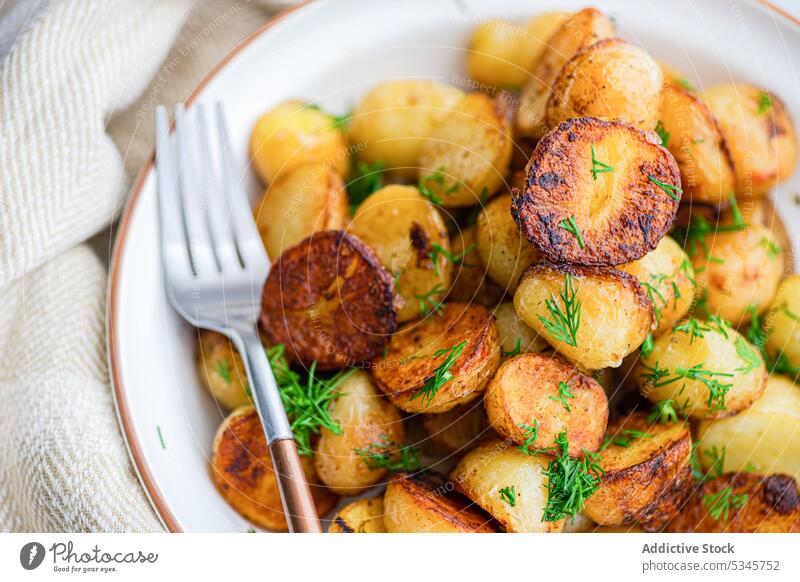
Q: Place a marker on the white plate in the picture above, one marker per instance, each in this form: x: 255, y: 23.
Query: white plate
x: 331, y: 53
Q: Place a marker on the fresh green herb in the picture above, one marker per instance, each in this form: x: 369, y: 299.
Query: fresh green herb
x: 656, y: 297
x: 719, y: 504
x: 663, y: 134
x: 665, y: 411
x: 365, y: 180
x: 750, y: 468
x: 684, y: 83
x: 764, y: 103
x: 438, y: 249
x: 529, y: 434
x: 442, y: 374
x: 670, y: 189
x: 738, y: 220
x: 694, y: 236
x: 437, y: 179
x: 509, y: 495
x: 750, y: 358
x: 648, y: 346
x: 701, y: 304
x: 773, y: 249
x: 161, y: 438
x: 516, y: 351
x: 223, y: 369
x: 428, y: 302
x: 717, y: 467
x: 564, y: 392
x: 599, y: 167
x: 570, y: 482
x: 687, y: 269
x: 655, y: 374
x: 250, y: 530
x: 694, y: 327
x: 569, y: 225
x: 386, y: 455
x: 625, y: 438
x: 342, y: 121
x: 719, y: 325
x: 789, y: 313
x: 716, y: 389
x: 565, y: 323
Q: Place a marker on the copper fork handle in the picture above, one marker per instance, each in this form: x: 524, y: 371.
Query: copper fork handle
x: 298, y: 505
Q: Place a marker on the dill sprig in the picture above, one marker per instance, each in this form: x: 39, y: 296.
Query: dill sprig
x: 655, y: 294
x: 694, y: 327
x: 773, y: 250
x: 648, y: 345
x: 599, y: 167
x: 716, y: 389
x: 715, y: 469
x: 428, y: 302
x: 667, y: 411
x: 663, y: 134
x: 565, y: 323
x: 516, y: 351
x: 437, y: 249
x: 365, y: 179
x: 750, y: 358
x: 757, y: 334
x: 509, y: 495
x: 442, y: 374
x: 624, y: 438
x: 764, y: 103
x: 570, y: 482
x: 569, y: 225
x: 386, y: 455
x: 564, y: 392
x: 438, y: 180
x: 694, y: 235
x: 720, y: 504
x: 223, y: 369
x: 670, y: 189
x: 530, y: 434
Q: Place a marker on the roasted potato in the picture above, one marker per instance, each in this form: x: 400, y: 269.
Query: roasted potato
x: 764, y: 437
x: 222, y: 370
x: 293, y: 134
x: 459, y: 343
x: 471, y: 282
x: 741, y: 503
x: 392, y: 121
x: 368, y: 425
x: 299, y: 203
x: 501, y: 248
x: 673, y: 76
x: 706, y: 368
x: 759, y: 132
x: 424, y: 504
x: 466, y: 157
x: 783, y: 323
x: 362, y: 516
x: 459, y: 428
x: 329, y: 300
x: 509, y: 484
x: 511, y: 328
x: 642, y: 461
x: 545, y: 393
x: 243, y: 474
x: 592, y: 316
x: 599, y: 193
x: 402, y: 227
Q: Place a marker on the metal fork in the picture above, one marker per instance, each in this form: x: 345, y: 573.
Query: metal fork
x: 215, y: 267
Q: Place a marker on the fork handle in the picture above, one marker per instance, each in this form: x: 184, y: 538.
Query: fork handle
x: 298, y: 504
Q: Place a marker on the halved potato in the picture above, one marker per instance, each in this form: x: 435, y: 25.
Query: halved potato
x: 611, y: 79
x: 765, y: 437
x: 468, y: 153
x: 471, y: 282
x: 693, y: 136
x: 505, y: 253
x: 783, y: 322
x: 547, y: 394
x: 707, y: 369
x: 459, y: 428
x: 222, y: 370
x: 292, y: 134
x: 669, y: 504
x: 329, y: 300
x: 425, y: 503
x: 392, y: 121
x: 368, y: 424
x: 755, y: 504
x: 592, y: 316
x: 511, y: 328
x: 243, y: 473
x: 599, y: 193
x: 642, y: 461
x: 362, y: 516
x: 759, y: 132
x: 402, y: 227
x: 440, y: 362
x: 494, y: 466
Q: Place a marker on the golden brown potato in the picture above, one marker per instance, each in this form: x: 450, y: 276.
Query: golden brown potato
x: 764, y: 437
x: 599, y: 193
x: 362, y: 516
x: 541, y: 392
x: 471, y: 282
x: 440, y: 362
x: 741, y: 503
x: 511, y: 328
x: 392, y: 121
x: 222, y: 370
x: 293, y: 134
x: 299, y: 203
x: 673, y: 76
x: 403, y: 229
x: 706, y: 368
x: 459, y: 428
x: 329, y: 301
x: 642, y: 461
x: 423, y: 504
x: 593, y: 317
x: 611, y: 79
x: 369, y: 426
x: 243, y: 473
x: 739, y: 269
x: 760, y: 135
x: 783, y: 323
x: 466, y: 157
x: 692, y: 135
x: 509, y: 484
x: 668, y: 278
x: 501, y: 248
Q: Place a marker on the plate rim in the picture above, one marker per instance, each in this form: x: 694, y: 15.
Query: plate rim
x: 135, y: 450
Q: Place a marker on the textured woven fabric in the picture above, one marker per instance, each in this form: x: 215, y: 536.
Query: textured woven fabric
x: 77, y: 93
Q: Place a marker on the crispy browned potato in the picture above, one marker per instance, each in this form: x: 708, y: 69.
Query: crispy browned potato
x: 368, y: 425
x: 425, y: 503
x: 511, y: 329
x: 411, y: 371
x: 329, y: 300
x: 243, y: 474
x: 459, y: 428
x: 595, y: 317
x: 642, y: 461
x: 497, y: 465
x: 471, y: 282
x: 222, y: 370
x: 671, y: 501
x: 362, y: 516
x: 755, y: 504
x: 599, y: 193
x: 543, y: 392
x: 783, y: 322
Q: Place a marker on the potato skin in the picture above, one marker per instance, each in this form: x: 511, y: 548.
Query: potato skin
x: 471, y: 282
x: 496, y: 464
x: 362, y: 516
x: 511, y: 327
x: 783, y: 323
x: 308, y: 199
x: 329, y: 300
x: 222, y: 370
x: 621, y: 215
x: 364, y: 417
x: 293, y: 134
x: 772, y: 506
x: 459, y: 428
x: 408, y: 363
x: 243, y: 473
x: 639, y: 476
x: 422, y: 504
x: 526, y: 388
x: 616, y: 313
